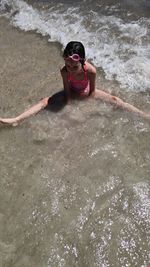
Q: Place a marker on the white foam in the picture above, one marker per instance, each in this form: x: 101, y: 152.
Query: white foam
x: 3, y: 3
x: 121, y: 49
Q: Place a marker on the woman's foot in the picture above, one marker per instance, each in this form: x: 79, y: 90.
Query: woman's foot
x: 9, y: 121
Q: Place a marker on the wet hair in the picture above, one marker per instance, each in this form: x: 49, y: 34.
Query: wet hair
x: 75, y: 47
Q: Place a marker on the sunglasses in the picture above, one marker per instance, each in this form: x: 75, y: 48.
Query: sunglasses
x: 74, y: 57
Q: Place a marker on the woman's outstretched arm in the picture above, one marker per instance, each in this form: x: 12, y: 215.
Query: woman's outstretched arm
x: 26, y: 114
x: 116, y: 101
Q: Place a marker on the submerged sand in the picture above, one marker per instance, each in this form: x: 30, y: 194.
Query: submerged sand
x: 30, y: 71
x: 29, y: 68
x: 73, y: 183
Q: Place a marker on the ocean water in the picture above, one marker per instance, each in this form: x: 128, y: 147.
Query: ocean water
x: 75, y: 188
x: 116, y: 34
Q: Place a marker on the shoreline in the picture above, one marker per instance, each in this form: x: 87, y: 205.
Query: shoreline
x: 85, y: 167
x: 32, y: 64
x: 27, y: 62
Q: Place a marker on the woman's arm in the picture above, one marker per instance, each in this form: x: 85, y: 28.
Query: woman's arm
x: 65, y: 83
x: 92, y: 77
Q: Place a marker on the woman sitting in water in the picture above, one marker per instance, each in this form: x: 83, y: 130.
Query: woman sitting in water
x: 79, y: 78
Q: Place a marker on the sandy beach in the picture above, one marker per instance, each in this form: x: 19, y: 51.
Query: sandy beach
x: 29, y: 68
x: 73, y: 183
x: 30, y: 71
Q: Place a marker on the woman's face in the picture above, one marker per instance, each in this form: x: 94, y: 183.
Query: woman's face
x: 73, y: 66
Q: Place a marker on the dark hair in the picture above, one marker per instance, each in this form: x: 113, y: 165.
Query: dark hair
x: 75, y: 47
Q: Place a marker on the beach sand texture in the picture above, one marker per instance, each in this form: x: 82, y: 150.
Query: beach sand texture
x: 29, y: 68
x: 75, y: 183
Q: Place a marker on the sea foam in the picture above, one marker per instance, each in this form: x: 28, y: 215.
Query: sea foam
x: 121, y: 49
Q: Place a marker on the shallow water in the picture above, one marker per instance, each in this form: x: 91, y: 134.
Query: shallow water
x: 74, y: 183
x: 115, y: 33
x: 73, y: 186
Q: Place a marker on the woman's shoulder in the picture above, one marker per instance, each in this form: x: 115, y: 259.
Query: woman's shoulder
x: 90, y: 68
x: 63, y: 70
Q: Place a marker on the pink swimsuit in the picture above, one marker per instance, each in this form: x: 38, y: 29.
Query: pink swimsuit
x: 81, y: 87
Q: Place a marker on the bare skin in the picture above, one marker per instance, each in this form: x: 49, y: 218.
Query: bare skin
x: 98, y: 94
x: 76, y: 69
x: 26, y: 114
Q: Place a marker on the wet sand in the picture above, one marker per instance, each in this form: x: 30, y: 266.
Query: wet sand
x: 73, y: 183
x: 29, y: 69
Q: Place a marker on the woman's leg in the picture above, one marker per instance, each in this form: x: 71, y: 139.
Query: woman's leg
x: 117, y: 102
x: 31, y: 111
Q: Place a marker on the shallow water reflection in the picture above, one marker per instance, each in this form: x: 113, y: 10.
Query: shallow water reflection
x: 75, y: 189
